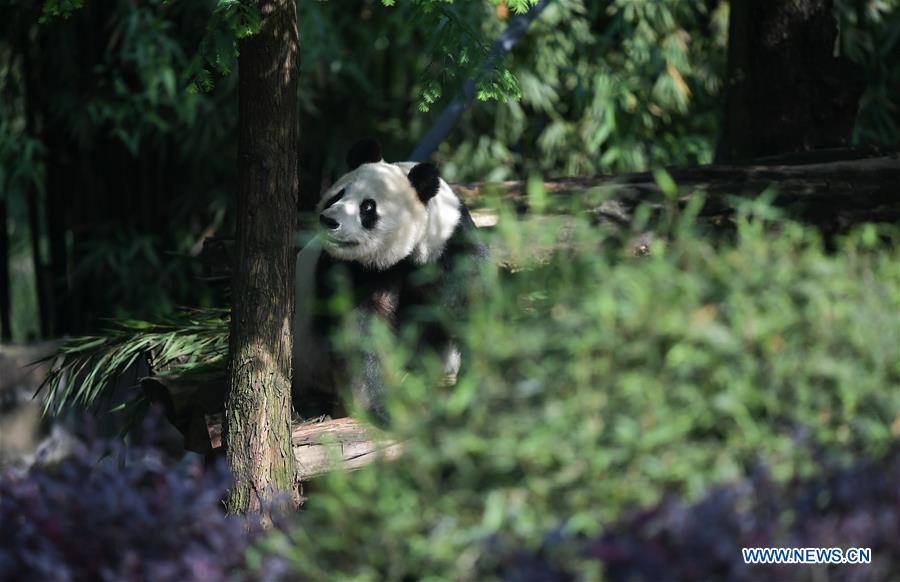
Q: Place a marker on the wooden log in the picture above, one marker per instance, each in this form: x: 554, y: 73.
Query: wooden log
x: 823, y: 193
x: 327, y: 445
x: 186, y: 401
x: 20, y: 372
x: 22, y: 427
x: 194, y: 404
x: 832, y: 196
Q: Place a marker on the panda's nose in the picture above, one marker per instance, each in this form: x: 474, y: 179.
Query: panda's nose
x: 328, y: 222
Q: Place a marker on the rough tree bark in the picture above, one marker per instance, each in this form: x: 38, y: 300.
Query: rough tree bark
x: 258, y: 407
x: 788, y: 91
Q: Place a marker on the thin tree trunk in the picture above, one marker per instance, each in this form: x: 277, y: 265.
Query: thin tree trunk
x: 5, y: 320
x: 57, y: 227
x: 258, y: 407
x: 34, y: 226
x: 40, y: 271
x: 788, y: 89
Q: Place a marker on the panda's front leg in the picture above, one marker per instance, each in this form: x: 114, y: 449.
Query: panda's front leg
x: 368, y: 390
x: 367, y: 385
x: 452, y: 359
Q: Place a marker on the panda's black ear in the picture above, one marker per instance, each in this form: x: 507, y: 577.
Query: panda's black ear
x: 426, y: 180
x: 365, y: 151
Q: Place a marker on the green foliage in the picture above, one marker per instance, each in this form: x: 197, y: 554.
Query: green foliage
x: 606, y: 87
x: 141, y: 278
x: 595, y: 381
x: 85, y: 369
x: 458, y: 51
x: 231, y: 20
x: 870, y: 38
x: 143, y: 168
x: 143, y: 84
x: 59, y: 9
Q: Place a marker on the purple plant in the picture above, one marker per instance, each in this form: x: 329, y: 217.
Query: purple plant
x: 90, y: 519
x: 854, y: 507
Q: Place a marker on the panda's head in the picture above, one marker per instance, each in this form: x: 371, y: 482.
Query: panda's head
x: 376, y: 213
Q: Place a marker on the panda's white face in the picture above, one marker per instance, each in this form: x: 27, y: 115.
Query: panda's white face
x: 373, y: 216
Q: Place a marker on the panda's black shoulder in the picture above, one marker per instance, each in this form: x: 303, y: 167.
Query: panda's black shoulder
x: 334, y: 275
x: 464, y: 243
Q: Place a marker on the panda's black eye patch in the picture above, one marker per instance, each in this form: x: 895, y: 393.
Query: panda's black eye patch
x: 367, y: 215
x: 330, y: 202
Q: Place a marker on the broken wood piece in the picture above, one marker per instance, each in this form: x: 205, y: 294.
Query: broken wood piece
x: 320, y: 447
x: 186, y: 400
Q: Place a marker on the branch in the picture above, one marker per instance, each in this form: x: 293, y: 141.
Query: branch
x: 446, y: 121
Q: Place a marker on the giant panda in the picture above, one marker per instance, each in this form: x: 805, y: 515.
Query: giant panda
x: 393, y: 234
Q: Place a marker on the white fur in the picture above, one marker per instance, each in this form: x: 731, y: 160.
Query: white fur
x: 402, y: 218
x: 307, y: 352
x: 443, y: 216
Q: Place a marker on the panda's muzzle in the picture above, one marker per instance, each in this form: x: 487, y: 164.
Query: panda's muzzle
x: 328, y: 223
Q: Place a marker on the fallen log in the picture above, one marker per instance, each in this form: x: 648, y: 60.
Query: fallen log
x: 194, y: 405
x: 21, y: 426
x: 326, y: 445
x: 22, y: 369
x: 186, y: 402
x: 832, y: 195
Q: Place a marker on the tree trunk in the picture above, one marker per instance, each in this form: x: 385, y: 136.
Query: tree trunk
x: 258, y: 407
x: 40, y: 273
x: 5, y: 321
x: 42, y: 291
x: 787, y: 91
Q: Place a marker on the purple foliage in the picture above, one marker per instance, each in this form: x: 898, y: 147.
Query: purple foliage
x: 90, y: 519
x: 856, y: 507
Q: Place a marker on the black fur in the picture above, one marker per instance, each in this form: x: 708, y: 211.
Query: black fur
x: 331, y: 201
x: 368, y: 214
x: 365, y: 151
x: 426, y: 179
x: 374, y: 294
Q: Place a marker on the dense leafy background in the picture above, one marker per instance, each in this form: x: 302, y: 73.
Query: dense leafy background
x: 716, y: 393
x: 121, y: 118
